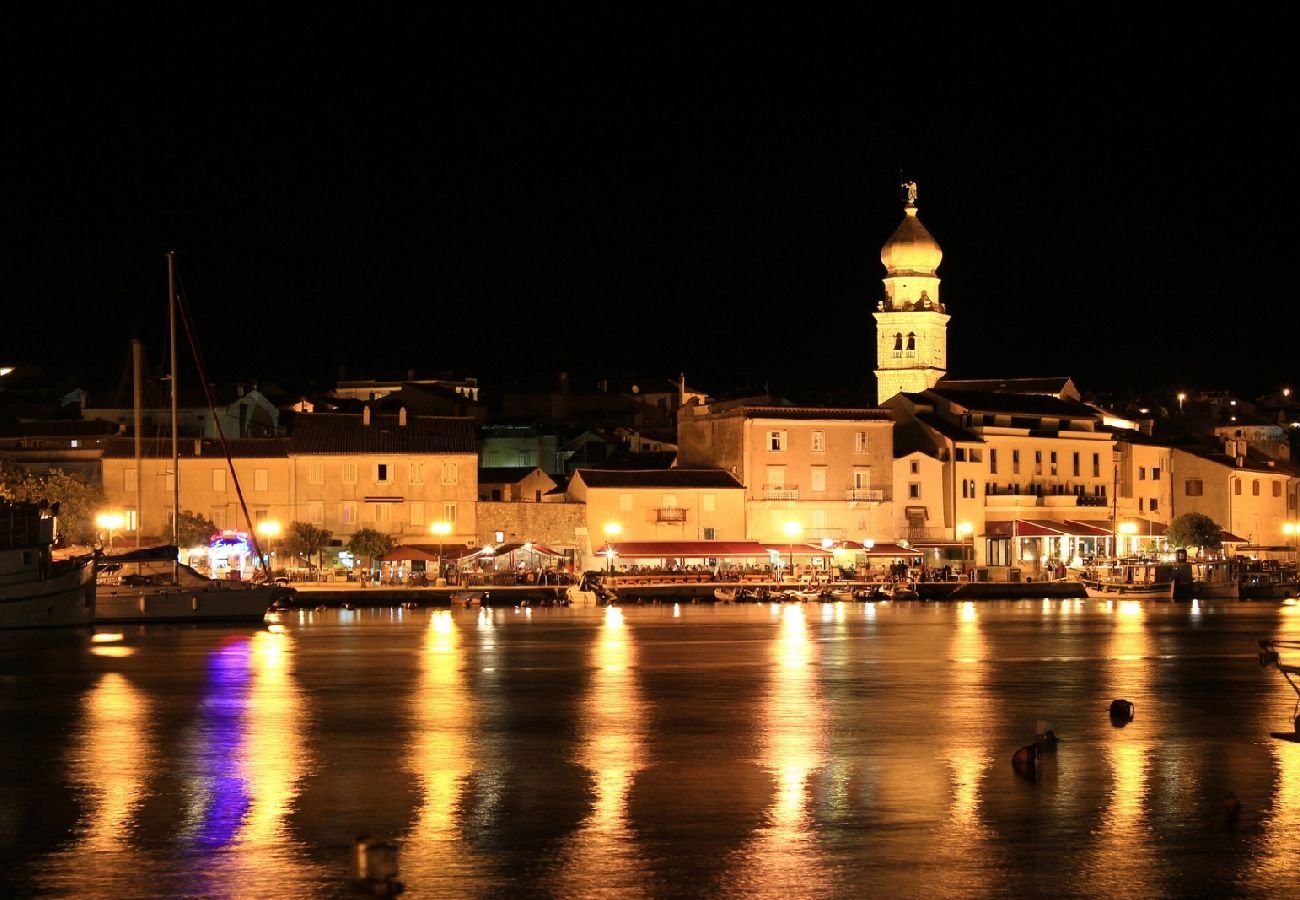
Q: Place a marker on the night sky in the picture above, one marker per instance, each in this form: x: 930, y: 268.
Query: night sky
x: 512, y: 198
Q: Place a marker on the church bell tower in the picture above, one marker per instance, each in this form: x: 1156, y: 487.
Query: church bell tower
x: 911, y: 323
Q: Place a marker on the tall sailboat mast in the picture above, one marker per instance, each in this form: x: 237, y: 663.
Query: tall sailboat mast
x: 137, y: 352
x: 176, y: 452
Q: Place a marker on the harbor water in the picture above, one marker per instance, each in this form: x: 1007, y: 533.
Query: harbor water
x: 799, y: 750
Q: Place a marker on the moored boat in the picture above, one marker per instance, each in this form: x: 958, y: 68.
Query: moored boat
x: 1128, y: 579
x: 152, y: 585
x: 37, y: 590
x: 1268, y: 580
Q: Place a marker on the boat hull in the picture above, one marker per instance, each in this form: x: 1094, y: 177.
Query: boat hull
x: 218, y: 602
x: 1102, y: 590
x: 66, y: 598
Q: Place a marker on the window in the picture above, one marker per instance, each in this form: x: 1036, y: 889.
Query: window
x: 860, y: 442
x: 1096, y: 465
x: 218, y: 479
x: 383, y: 473
x: 911, y: 343
x: 1277, y: 489
x: 415, y: 474
x: 861, y: 479
x: 316, y: 512
x: 819, y: 478
x: 417, y: 513
x: 976, y: 455
x: 348, y: 513
x: 1015, y: 462
x: 1142, y: 473
x: 914, y: 490
x: 1155, y: 473
x: 776, y: 440
x: 129, y: 480
x: 449, y: 514
x: 776, y: 476
x: 1038, y: 462
x: 1154, y: 505
x: 128, y: 520
x: 818, y: 521
x: 819, y: 442
x: 350, y: 472
x: 1052, y: 459
x: 1236, y: 486
x: 1140, y: 504
x: 669, y: 501
x: 261, y: 479
x: 383, y: 513
x: 898, y: 344
x: 915, y: 467
x: 960, y: 454
x: 316, y: 472
x: 1254, y: 488
x: 1195, y: 487
x: 709, y: 502
x: 624, y: 502
x: 710, y: 534
x: 218, y: 516
x: 450, y: 472
x: 993, y: 461
x: 1076, y: 464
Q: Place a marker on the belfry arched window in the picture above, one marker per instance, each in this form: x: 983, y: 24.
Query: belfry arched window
x: 898, y: 344
x: 911, y: 343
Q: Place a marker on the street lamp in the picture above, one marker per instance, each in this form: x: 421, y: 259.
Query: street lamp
x: 441, y: 529
x: 792, y: 530
x: 965, y: 532
x: 110, y: 522
x: 269, y: 530
x: 611, y: 530
x: 1292, y: 530
x: 1129, y: 528
x: 1181, y: 398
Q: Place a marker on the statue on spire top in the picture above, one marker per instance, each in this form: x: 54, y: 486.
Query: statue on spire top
x: 909, y: 188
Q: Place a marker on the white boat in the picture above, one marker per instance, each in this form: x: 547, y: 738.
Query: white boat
x: 1128, y: 579
x: 37, y: 590
x: 151, y: 585
x: 1268, y: 580
x: 1215, y: 579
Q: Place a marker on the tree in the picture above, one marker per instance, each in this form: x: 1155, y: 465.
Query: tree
x: 193, y: 529
x: 1195, y: 530
x: 305, y: 540
x: 12, y: 475
x: 368, y: 543
x: 78, y: 501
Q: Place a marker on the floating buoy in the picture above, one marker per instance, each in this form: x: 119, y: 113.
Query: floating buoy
x: 1026, y: 761
x: 1121, y: 712
x: 375, y: 860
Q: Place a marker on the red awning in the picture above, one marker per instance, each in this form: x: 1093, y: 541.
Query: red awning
x: 687, y: 549
x: 1229, y: 538
x: 1023, y: 528
x: 1086, y: 529
x: 506, y: 549
x: 892, y: 550
x: 427, y: 552
x: 800, y: 549
x: 1147, y: 528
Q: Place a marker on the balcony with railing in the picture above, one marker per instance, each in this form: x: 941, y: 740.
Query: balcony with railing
x: 868, y: 495
x: 1063, y: 495
x: 674, y: 514
x: 780, y: 492
x: 927, y: 533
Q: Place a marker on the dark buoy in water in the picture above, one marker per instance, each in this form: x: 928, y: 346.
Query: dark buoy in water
x: 1231, y: 809
x: 1121, y: 713
x: 376, y: 866
x: 1026, y: 761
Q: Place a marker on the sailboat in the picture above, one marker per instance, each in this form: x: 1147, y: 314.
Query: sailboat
x: 36, y: 589
x: 151, y: 584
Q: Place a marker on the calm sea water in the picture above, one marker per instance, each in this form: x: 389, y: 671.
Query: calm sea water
x: 711, y: 751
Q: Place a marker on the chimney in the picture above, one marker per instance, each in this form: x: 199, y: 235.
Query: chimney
x: 401, y: 417
x: 365, y: 415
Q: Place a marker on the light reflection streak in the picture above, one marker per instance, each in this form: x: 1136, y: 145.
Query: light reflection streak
x: 785, y: 857
x: 613, y: 747
x: 966, y: 751
x: 1280, y: 857
x: 441, y: 758
x: 1122, y: 856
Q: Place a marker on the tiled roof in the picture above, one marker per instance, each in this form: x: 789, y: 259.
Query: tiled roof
x: 948, y: 429
x: 504, y: 474
x: 208, y: 448
x: 816, y: 412
x: 344, y: 433
x: 1016, y: 404
x: 659, y: 478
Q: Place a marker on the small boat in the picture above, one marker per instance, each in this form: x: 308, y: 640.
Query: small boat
x: 152, y: 585
x: 1128, y: 580
x: 1211, y: 579
x: 467, y: 599
x: 1268, y: 580
x: 871, y: 593
x: 1270, y: 654
x: 35, y: 588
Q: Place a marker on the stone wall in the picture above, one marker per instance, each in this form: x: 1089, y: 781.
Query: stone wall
x: 554, y: 524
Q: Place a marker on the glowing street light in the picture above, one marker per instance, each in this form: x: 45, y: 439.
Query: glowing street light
x: 965, y: 533
x: 612, y: 529
x: 269, y: 530
x: 1292, y: 530
x: 1128, y: 528
x: 1181, y: 397
x: 792, y: 529
x: 110, y: 522
x: 441, y: 529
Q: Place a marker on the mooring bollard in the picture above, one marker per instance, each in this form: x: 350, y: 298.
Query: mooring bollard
x: 376, y: 865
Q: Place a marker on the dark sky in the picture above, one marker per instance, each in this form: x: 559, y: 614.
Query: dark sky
x: 522, y: 196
